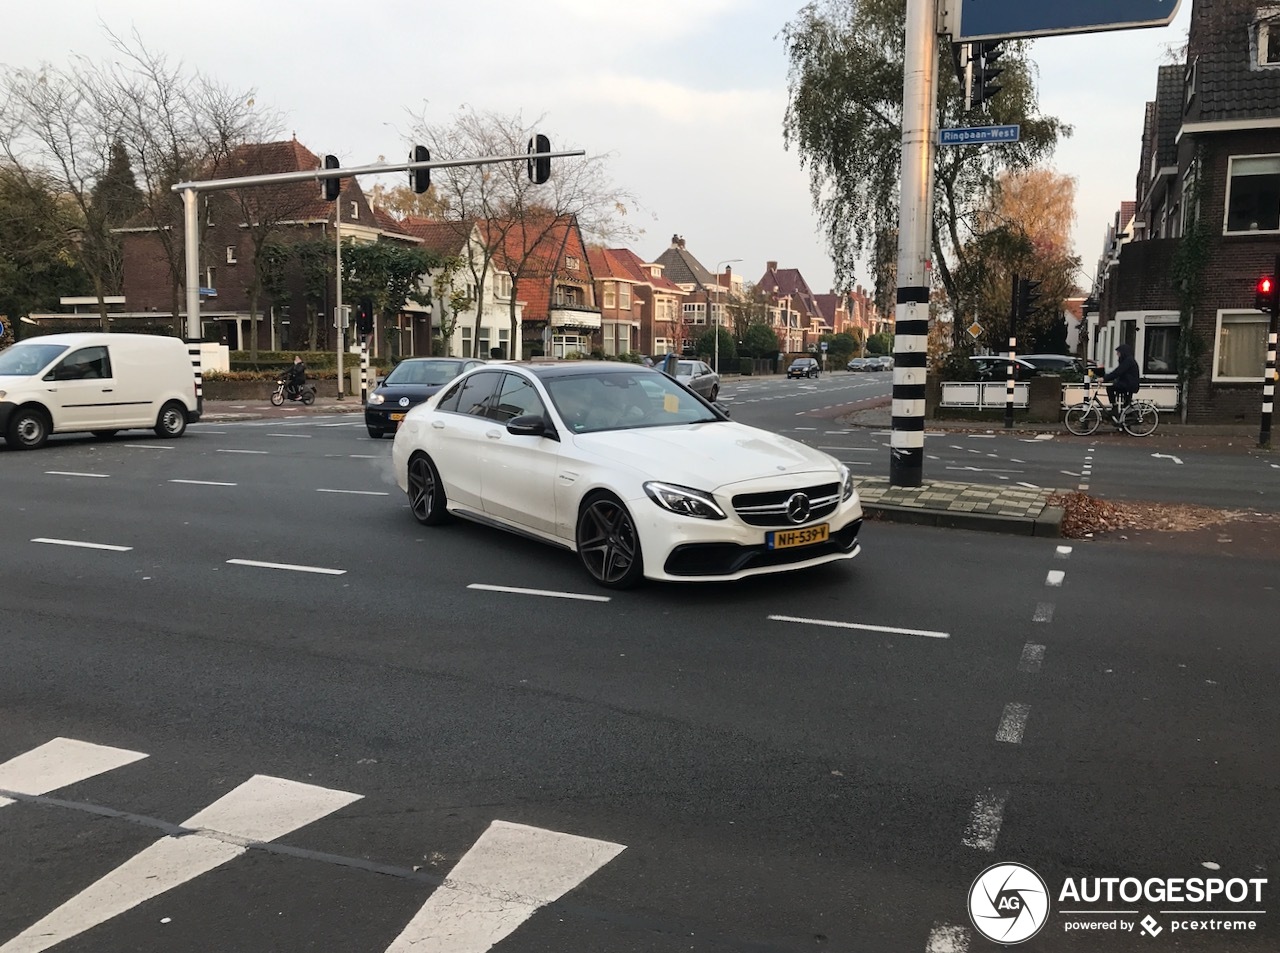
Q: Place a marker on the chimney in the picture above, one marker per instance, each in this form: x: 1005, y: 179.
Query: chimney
x: 771, y: 266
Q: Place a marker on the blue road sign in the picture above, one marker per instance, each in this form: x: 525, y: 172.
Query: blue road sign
x: 975, y: 135
x: 984, y: 19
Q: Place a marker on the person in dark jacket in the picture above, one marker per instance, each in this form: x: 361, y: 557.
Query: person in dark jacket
x: 1122, y: 381
x: 297, y: 376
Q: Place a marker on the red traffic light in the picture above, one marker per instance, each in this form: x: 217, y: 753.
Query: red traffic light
x: 1265, y: 297
x: 1266, y: 285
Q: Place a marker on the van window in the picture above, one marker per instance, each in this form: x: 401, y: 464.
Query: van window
x: 88, y: 363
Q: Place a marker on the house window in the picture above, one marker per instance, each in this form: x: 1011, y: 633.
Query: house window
x: 231, y: 254
x: 466, y: 342
x: 566, y: 295
x: 1189, y: 82
x: 502, y: 286
x: 355, y: 212
x: 1160, y: 349
x: 1268, y: 37
x: 609, y: 298
x: 1253, y: 193
x: 563, y: 345
x: 624, y: 296
x: 695, y: 312
x: 1241, y: 350
x: 661, y: 346
x: 210, y: 273
x: 571, y: 263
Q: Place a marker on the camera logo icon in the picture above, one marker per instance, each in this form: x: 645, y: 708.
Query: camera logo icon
x: 1009, y: 903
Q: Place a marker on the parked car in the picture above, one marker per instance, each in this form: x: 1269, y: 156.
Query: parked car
x: 1055, y: 363
x: 860, y: 364
x: 994, y: 367
x: 886, y: 362
x: 804, y: 367
x: 410, y: 383
x: 699, y: 377
x: 874, y: 364
x: 95, y: 383
x: 626, y: 468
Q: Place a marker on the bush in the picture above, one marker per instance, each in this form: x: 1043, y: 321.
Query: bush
x: 746, y: 366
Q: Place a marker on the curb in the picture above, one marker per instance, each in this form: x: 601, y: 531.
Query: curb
x: 1048, y: 524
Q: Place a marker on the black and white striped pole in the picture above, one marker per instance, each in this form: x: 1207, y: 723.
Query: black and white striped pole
x: 1013, y: 352
x: 195, y: 333
x: 364, y: 369
x: 915, y: 228
x: 1267, y: 299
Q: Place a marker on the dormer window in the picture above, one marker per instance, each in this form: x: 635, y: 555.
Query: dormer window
x: 1189, y: 82
x: 1266, y: 38
x: 355, y: 212
x: 571, y: 263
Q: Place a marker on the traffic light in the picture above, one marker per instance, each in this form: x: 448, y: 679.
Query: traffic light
x: 332, y: 187
x: 983, y: 73
x: 540, y: 167
x: 420, y: 179
x: 1028, y: 295
x: 364, y: 316
x: 1265, y: 296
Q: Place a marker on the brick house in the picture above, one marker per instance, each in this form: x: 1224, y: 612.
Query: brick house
x: 296, y: 212
x: 1211, y: 137
x: 640, y: 307
x: 702, y: 305
x: 794, y: 311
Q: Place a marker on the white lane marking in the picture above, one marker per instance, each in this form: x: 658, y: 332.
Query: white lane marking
x: 259, y: 810
x: 81, y: 544
x: 146, y: 446
x: 363, y: 456
x: 509, y: 873
x: 100, y: 476
x: 204, y: 482
x: 1043, y: 613
x: 804, y: 428
x: 261, y: 565
x: 202, y: 430
x: 59, y: 763
x: 1055, y: 577
x: 1029, y: 486
x: 946, y: 938
x: 982, y: 436
x: 1013, y: 723
x: 852, y: 449
x: 927, y: 633
x: 1167, y: 456
x: 1044, y: 436
x: 358, y: 492
x: 540, y: 592
x: 243, y: 451
x: 1063, y: 552
x: 985, y: 820
x: 299, y: 436
x: 1032, y: 658
x: 986, y: 470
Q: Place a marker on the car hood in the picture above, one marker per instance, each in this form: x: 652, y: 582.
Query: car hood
x: 705, y: 456
x: 415, y: 392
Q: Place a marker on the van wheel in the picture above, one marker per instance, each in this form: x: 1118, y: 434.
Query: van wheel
x: 172, y: 421
x: 28, y: 429
x: 105, y: 434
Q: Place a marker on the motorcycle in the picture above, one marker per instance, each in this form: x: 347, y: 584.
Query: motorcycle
x: 305, y: 393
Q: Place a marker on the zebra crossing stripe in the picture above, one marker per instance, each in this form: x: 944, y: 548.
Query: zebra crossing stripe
x: 509, y: 873
x: 58, y: 764
x: 261, y: 809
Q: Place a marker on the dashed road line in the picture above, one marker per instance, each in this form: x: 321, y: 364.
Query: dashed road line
x: 358, y: 492
x: 948, y: 938
x: 925, y: 633
x: 1055, y: 577
x: 985, y: 820
x: 289, y: 566
x: 204, y: 482
x: 146, y: 446
x: 72, y: 473
x: 243, y: 451
x: 81, y: 544
x: 1063, y: 552
x: 549, y: 593
x: 1043, y: 613
x: 1013, y: 723
x: 1032, y: 658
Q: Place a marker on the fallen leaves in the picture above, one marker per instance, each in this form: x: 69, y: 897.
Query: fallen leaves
x: 1084, y: 515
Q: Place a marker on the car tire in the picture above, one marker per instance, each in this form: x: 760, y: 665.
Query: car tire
x: 28, y: 429
x: 376, y: 434
x: 715, y: 392
x: 105, y: 434
x: 172, y: 421
x: 426, y: 492
x: 607, y: 542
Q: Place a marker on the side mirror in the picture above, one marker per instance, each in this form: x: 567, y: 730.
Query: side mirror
x: 528, y: 425
x: 720, y: 407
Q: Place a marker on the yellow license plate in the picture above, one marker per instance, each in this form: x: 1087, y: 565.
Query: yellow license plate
x: 397, y: 416
x: 789, y: 538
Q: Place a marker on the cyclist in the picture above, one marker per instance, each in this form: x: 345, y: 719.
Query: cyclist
x: 1122, y: 381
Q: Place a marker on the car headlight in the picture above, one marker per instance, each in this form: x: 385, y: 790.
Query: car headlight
x: 377, y: 399
x: 684, y: 501
x: 846, y: 483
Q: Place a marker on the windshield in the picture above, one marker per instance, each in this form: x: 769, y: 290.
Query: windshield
x: 685, y: 368
x: 26, y: 359
x: 624, y: 401
x: 424, y: 372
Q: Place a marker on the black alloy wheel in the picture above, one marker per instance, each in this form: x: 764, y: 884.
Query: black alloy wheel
x: 426, y: 495
x: 608, y: 543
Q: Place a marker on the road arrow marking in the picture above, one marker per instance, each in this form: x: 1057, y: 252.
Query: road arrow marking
x: 59, y: 763
x: 509, y: 873
x: 1167, y: 456
x: 262, y: 809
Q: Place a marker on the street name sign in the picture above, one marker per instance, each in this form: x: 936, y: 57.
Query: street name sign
x: 994, y: 19
x: 975, y: 135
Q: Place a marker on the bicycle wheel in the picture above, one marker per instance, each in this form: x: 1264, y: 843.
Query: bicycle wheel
x: 1083, y: 419
x: 1140, y: 420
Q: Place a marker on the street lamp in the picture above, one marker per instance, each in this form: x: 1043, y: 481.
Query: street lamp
x: 430, y: 328
x: 719, y: 264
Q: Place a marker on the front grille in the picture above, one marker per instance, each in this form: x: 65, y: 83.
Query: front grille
x: 770, y: 509
x: 725, y: 559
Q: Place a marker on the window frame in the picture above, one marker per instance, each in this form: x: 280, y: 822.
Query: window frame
x: 1226, y: 202
x: 1237, y: 316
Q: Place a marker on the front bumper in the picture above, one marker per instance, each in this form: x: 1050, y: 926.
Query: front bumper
x: 379, y: 417
x: 6, y: 411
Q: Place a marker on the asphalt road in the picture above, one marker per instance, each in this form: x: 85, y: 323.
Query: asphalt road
x: 822, y: 760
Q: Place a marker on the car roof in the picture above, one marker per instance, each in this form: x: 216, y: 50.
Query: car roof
x: 551, y: 369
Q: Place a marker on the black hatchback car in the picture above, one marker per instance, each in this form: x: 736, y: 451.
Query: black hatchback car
x: 410, y: 382
x: 804, y: 367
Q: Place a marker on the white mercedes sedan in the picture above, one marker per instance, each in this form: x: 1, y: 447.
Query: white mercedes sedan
x: 634, y: 472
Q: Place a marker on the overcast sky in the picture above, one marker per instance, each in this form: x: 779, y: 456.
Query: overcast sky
x: 687, y: 96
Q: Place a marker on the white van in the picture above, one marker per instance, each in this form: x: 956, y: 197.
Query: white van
x: 94, y: 382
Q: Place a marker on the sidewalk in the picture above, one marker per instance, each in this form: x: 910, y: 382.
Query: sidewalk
x: 881, y: 418
x: 995, y: 509
x: 228, y: 410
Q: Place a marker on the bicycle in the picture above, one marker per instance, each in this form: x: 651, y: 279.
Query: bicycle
x: 1138, y: 418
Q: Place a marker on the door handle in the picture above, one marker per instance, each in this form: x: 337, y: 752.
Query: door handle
x: 438, y: 424
x: 106, y: 390
x: 494, y: 434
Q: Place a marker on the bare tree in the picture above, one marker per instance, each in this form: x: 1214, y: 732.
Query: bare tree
x: 519, y: 217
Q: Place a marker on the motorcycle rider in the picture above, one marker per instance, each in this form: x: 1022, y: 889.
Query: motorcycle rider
x: 297, y: 377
